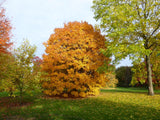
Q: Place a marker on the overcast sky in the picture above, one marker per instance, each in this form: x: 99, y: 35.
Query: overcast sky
x: 36, y: 19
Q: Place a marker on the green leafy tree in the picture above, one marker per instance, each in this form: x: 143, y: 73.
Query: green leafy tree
x: 7, y: 66
x: 132, y: 27
x: 37, y: 74
x: 19, y: 74
x: 22, y: 72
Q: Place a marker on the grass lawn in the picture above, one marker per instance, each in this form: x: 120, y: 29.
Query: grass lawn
x: 129, y: 89
x: 115, y: 104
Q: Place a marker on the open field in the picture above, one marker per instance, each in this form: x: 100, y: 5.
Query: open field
x: 113, y: 104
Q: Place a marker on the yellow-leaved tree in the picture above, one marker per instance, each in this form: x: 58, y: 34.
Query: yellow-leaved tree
x: 71, y: 61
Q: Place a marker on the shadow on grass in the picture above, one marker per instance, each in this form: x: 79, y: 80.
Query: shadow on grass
x: 84, y: 109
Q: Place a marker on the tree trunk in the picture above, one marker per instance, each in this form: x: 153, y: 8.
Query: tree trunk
x: 11, y: 92
x: 21, y: 97
x: 149, y: 76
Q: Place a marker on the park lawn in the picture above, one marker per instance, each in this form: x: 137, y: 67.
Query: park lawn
x: 109, y: 105
x: 128, y: 89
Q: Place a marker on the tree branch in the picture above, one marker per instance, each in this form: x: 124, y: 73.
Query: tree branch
x: 138, y: 11
x: 154, y: 49
x: 154, y: 30
x: 152, y: 45
x: 145, y: 4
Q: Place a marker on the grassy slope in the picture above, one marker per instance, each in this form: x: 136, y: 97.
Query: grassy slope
x: 110, y: 105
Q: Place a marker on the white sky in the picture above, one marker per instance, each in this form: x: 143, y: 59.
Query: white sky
x: 36, y: 19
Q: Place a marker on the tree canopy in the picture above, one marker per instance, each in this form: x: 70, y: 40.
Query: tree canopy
x: 17, y: 75
x: 71, y: 60
x: 132, y: 27
x: 5, y: 31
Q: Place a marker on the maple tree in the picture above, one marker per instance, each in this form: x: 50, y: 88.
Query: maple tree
x: 5, y: 42
x: 37, y: 61
x: 71, y: 61
x: 5, y: 31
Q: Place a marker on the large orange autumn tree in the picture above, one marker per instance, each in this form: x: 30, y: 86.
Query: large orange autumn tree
x: 71, y: 61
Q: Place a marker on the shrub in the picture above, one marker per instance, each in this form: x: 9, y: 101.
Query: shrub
x: 111, y: 80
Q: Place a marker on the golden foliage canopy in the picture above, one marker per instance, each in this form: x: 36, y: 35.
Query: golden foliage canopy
x: 71, y: 60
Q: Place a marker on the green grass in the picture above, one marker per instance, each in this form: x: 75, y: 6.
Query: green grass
x: 130, y: 89
x: 127, y: 104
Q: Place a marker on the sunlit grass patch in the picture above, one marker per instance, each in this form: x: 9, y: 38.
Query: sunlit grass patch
x: 130, y: 89
x: 132, y: 98
x: 107, y: 106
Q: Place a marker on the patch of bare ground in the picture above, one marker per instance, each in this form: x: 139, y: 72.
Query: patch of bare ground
x: 11, y: 102
x: 17, y: 117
